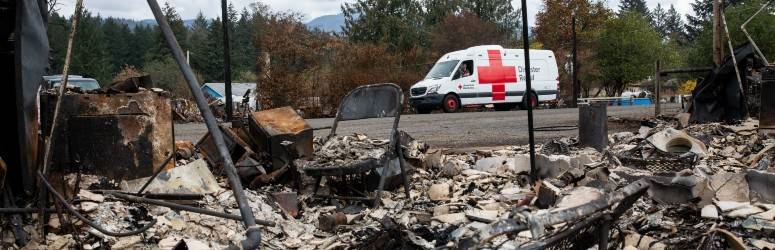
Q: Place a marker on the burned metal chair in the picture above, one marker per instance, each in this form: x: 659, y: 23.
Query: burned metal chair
x: 365, y: 102
x: 595, y: 229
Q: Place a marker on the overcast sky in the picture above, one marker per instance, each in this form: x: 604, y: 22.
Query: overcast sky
x: 138, y: 9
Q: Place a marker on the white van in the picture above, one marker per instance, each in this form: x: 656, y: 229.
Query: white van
x: 484, y: 75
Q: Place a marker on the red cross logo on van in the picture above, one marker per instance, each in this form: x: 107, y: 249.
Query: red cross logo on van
x: 497, y: 75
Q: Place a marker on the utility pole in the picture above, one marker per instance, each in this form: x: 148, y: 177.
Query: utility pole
x: 531, y: 140
x: 657, y: 89
x: 226, y: 60
x: 717, y: 47
x: 575, y: 66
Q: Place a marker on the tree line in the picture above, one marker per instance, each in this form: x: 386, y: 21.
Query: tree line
x: 108, y: 47
x: 399, y: 40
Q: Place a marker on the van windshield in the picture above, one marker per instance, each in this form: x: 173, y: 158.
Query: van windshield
x: 442, y: 69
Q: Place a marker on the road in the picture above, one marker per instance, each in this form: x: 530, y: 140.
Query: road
x: 469, y: 129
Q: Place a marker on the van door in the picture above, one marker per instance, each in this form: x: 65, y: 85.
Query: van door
x: 494, y: 76
x: 464, y: 80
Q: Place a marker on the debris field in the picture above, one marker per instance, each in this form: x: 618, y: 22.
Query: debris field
x: 665, y: 186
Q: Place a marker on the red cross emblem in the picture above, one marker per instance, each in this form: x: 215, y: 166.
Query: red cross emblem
x: 497, y: 75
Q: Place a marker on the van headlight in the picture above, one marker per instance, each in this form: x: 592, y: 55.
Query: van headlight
x: 433, y: 88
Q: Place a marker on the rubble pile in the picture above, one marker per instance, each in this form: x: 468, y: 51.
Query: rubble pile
x: 185, y: 111
x: 710, y: 186
x: 347, y: 150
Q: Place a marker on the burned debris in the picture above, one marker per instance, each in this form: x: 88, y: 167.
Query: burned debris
x: 119, y: 180
x: 705, y: 186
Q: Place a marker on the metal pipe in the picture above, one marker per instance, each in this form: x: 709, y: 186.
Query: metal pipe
x: 253, y: 237
x: 138, y: 199
x: 665, y: 72
x: 163, y: 196
x: 570, y: 214
x: 742, y: 27
x: 93, y: 224
x: 733, y: 55
x: 23, y: 210
x: 528, y: 89
x: 226, y: 61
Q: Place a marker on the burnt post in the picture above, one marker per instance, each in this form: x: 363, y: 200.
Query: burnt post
x: 575, y: 81
x: 226, y: 60
x: 767, y: 109
x: 657, y: 89
x: 717, y: 49
x: 593, y: 125
x: 528, y: 93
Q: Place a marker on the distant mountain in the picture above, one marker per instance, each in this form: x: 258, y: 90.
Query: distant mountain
x: 327, y: 23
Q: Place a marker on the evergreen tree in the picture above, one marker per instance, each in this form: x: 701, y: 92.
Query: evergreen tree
x: 437, y: 10
x: 395, y: 23
x: 198, y: 39
x: 117, y: 36
x: 499, y: 12
x: 212, y: 68
x: 702, y: 19
x: 658, y: 20
x: 637, y: 6
x: 242, y: 51
x: 58, y: 28
x: 160, y: 50
x: 90, y: 51
x: 673, y: 24
x: 141, y: 39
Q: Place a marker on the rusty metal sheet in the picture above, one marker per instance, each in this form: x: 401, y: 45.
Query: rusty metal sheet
x: 121, y: 136
x: 288, y: 201
x: 270, y: 129
x: 238, y: 149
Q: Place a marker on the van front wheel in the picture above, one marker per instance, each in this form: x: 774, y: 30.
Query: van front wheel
x: 451, y: 103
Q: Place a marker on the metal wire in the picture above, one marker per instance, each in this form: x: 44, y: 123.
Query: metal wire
x: 556, y: 128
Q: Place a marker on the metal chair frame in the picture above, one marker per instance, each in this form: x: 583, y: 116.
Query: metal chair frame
x: 348, y: 113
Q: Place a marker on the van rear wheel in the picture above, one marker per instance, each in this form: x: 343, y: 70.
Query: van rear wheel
x: 532, y: 98
x: 451, y: 103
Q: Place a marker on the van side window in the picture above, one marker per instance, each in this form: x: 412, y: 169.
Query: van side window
x: 464, y: 70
